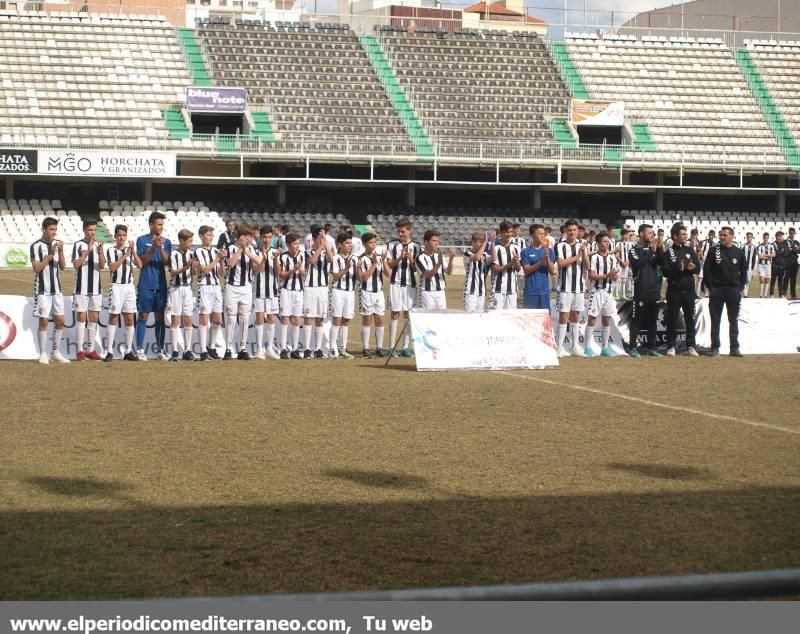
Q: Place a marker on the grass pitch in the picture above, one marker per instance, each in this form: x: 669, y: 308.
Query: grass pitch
x: 167, y: 480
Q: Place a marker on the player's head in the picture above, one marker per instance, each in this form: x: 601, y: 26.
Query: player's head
x: 89, y: 229
x: 476, y: 240
x: 660, y: 232
x: 506, y: 231
x: 749, y: 236
x: 626, y: 234
x: 645, y: 233
x: 678, y: 233
x: 285, y: 229
x: 612, y: 231
x: 791, y: 232
x: 779, y: 236
x: 327, y: 227
x: 49, y: 228
x: 431, y: 239
x: 548, y: 231
x: 537, y: 234
x: 591, y: 235
x: 206, y: 235
x: 292, y: 244
x: 230, y: 225
x: 344, y: 243
x: 712, y: 234
x: 120, y: 235
x: 603, y: 242
x: 156, y: 223
x: 185, y: 239
x: 515, y: 228
x: 266, y: 236
x: 248, y: 232
x: 317, y: 236
x: 276, y: 230
x: 765, y: 237
x: 404, y: 229
x: 581, y: 231
x: 694, y: 233
x: 571, y: 230
x: 726, y: 236
x: 370, y: 241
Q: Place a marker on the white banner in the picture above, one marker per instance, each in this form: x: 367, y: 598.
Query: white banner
x: 118, y: 163
x: 597, y: 113
x: 451, y: 340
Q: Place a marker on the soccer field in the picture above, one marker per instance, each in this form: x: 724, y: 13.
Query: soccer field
x: 169, y: 480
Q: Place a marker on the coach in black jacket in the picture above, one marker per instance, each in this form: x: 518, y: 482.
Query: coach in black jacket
x: 645, y: 258
x: 724, y: 273
x: 681, y: 264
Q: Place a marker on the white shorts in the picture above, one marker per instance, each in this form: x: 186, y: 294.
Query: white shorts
x: 474, y: 303
x: 343, y: 303
x: 209, y: 299
x: 121, y: 299
x: 82, y: 303
x: 601, y: 303
x: 624, y: 272
x: 370, y: 303
x: 45, y: 305
x: 401, y: 298
x: 504, y: 301
x: 432, y: 300
x: 315, y: 302
x: 568, y: 302
x: 764, y: 270
x: 269, y: 306
x: 238, y: 299
x: 180, y: 300
x: 291, y: 303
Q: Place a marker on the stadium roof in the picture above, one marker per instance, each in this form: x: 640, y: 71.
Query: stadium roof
x: 493, y: 9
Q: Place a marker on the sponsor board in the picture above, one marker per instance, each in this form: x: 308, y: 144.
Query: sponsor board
x: 117, y: 163
x: 216, y: 99
x: 18, y: 161
x: 600, y: 113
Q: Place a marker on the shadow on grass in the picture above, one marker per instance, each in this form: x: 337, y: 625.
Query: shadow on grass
x: 288, y: 548
x: 379, y: 479
x: 80, y: 487
x: 664, y: 471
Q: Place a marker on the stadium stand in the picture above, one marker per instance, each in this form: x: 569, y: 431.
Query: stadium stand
x: 98, y: 80
x: 180, y: 215
x: 756, y: 222
x: 21, y: 220
x: 492, y: 86
x: 690, y: 93
x: 316, y: 80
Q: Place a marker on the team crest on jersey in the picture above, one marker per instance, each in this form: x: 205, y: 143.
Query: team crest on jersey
x: 734, y: 260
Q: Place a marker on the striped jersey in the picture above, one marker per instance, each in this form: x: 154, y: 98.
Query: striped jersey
x: 570, y: 277
x: 625, y: 247
x: 242, y: 273
x: 316, y: 273
x: 518, y: 242
x: 403, y: 274
x: 265, y: 284
x: 504, y: 281
x: 475, y: 273
x: 705, y: 247
x: 291, y: 263
x: 612, y: 244
x: 348, y: 281
x: 427, y: 262
x: 48, y: 280
x: 124, y: 273
x: 374, y: 283
x: 205, y: 257
x: 765, y: 250
x: 177, y: 261
x: 87, y: 276
x: 602, y: 265
x: 750, y: 251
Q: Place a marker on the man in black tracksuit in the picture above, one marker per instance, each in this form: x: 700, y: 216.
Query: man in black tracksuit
x: 645, y: 258
x: 792, y: 267
x: 724, y: 272
x: 680, y: 266
x: 780, y: 264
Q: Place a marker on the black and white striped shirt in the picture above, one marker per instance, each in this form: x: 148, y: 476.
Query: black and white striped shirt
x: 750, y: 255
x: 403, y: 274
x: 316, y: 273
x: 87, y: 277
x: 266, y: 282
x: 48, y: 280
x: 427, y: 262
x: 288, y: 263
x: 123, y: 274
x: 570, y: 277
x: 504, y: 281
x: 705, y: 247
x: 475, y: 273
x: 602, y: 265
x: 178, y: 260
x: 206, y: 257
x: 765, y: 250
x: 348, y: 281
x: 374, y: 283
x: 242, y: 273
x: 625, y: 247
x: 518, y: 242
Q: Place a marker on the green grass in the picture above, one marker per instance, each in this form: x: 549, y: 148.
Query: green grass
x: 157, y: 479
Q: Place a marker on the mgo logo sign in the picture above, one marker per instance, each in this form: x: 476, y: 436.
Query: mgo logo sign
x: 18, y: 161
x: 107, y: 163
x: 8, y: 331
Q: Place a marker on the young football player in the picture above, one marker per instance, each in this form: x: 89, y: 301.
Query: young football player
x: 209, y: 266
x: 476, y: 266
x: 238, y: 293
x: 315, y: 292
x: 121, y: 258
x: 504, y: 267
x: 47, y: 260
x: 572, y: 259
x: 180, y: 301
x: 432, y: 271
x: 291, y: 274
x: 344, y: 277
x: 266, y: 297
x: 371, y: 301
x: 400, y: 262
x: 88, y: 260
x: 603, y: 272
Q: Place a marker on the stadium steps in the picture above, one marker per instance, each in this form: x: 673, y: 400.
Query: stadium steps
x: 642, y: 140
x: 562, y: 133
x: 262, y: 130
x: 570, y: 74
x: 398, y: 99
x: 176, y: 126
x: 194, y: 57
x: 102, y: 234
x: 769, y: 109
x: 612, y: 155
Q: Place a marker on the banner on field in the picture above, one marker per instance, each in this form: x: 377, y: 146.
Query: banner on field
x: 16, y: 255
x: 600, y: 113
x: 118, y: 163
x: 501, y: 339
x: 18, y: 161
x: 217, y: 100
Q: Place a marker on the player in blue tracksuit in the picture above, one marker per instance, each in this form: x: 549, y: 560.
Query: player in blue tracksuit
x: 154, y: 250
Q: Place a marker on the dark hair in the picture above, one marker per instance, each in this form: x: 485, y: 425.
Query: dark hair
x: 403, y: 222
x: 777, y: 233
x: 749, y: 233
x: 765, y: 234
x: 291, y: 237
x: 285, y: 229
x: 48, y: 222
x: 344, y: 237
x: 534, y: 228
x: 514, y: 225
x: 726, y: 228
x: 89, y: 222
x: 571, y: 223
x: 156, y: 215
x: 316, y: 230
x: 265, y: 229
x: 204, y: 229
x: 643, y: 227
x: 327, y: 227
x: 230, y: 219
x: 367, y: 237
x: 430, y: 234
x: 505, y: 225
x: 676, y: 229
x: 119, y: 228
x: 601, y: 235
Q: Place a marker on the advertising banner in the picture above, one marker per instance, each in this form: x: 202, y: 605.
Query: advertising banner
x: 15, y: 255
x: 217, y: 99
x: 117, y: 163
x: 18, y: 161
x: 600, y: 113
x: 495, y: 340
